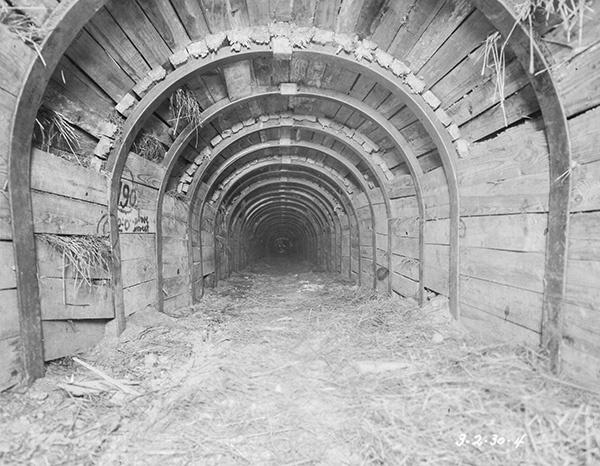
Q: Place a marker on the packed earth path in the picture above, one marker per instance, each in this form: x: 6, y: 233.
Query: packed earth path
x: 282, y: 365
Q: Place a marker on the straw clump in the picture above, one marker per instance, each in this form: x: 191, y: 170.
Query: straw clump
x: 21, y: 25
x: 82, y: 254
x: 185, y: 109
x: 149, y: 147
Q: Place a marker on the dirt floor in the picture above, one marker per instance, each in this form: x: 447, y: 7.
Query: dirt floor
x: 284, y: 366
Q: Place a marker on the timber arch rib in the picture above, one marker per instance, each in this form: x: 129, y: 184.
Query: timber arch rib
x: 374, y: 150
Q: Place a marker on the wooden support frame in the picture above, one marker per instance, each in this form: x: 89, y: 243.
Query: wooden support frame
x: 266, y: 180
x: 303, y: 145
x: 311, y: 168
x: 293, y: 198
x: 299, y: 189
x: 559, y: 145
x: 185, y: 138
x: 68, y: 19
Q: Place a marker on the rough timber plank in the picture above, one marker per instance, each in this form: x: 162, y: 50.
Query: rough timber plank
x: 326, y: 13
x: 584, y: 241
x: 191, y: 15
x: 10, y: 363
x: 165, y: 19
x: 446, y: 20
x: 471, y: 33
x: 9, y: 315
x: 105, y: 30
x: 216, y: 14
x: 62, y: 338
x: 487, y: 325
x: 7, y: 266
x: 61, y: 215
x: 140, y: 31
x: 139, y: 297
x: 67, y: 179
x: 15, y: 57
x: 88, y: 55
x: 66, y: 300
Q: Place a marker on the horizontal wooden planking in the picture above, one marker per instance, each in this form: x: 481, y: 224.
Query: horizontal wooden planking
x: 525, y: 194
x: 520, y: 232
x: 404, y: 207
x: 405, y: 246
x: 138, y: 270
x: 138, y: 297
x: 585, y: 187
x: 518, y: 269
x: 578, y: 81
x: 493, y: 328
x: 137, y: 245
x: 585, y: 137
x: 67, y: 338
x: 405, y: 226
x: 61, y: 215
x: 65, y: 300
x: 436, y: 268
x: 505, y: 302
x: 584, y: 241
x: 9, y: 314
x: 8, y: 277
x: 407, y: 266
x: 174, y: 286
x: 404, y: 286
x: 10, y: 362
x: 67, y: 179
x: 143, y: 171
x: 583, y: 286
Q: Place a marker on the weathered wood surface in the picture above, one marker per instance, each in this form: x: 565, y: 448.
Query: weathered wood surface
x: 9, y: 314
x: 69, y: 300
x: 7, y: 266
x: 10, y: 362
x: 65, y: 338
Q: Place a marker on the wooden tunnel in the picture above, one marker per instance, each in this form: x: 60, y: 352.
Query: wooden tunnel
x: 369, y: 137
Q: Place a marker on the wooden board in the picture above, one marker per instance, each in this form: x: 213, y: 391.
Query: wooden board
x: 138, y: 297
x: 67, y: 179
x: 7, y: 266
x: 9, y: 315
x: 67, y: 338
x: 65, y: 300
x: 62, y: 215
x: 10, y: 363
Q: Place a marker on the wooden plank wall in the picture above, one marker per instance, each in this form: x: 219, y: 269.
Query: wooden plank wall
x: 579, y: 85
x: 176, y: 276
x: 15, y: 53
x: 137, y: 226
x: 72, y: 201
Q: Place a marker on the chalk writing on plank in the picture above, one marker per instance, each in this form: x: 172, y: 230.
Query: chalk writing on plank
x: 130, y: 220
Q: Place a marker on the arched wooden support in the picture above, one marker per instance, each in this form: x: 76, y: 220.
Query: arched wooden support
x: 310, y: 167
x: 298, y: 190
x: 559, y: 144
x: 303, y: 219
x: 258, y: 208
x: 187, y: 135
x: 63, y: 25
x: 266, y: 180
x: 163, y: 89
x: 67, y: 20
x: 329, y: 153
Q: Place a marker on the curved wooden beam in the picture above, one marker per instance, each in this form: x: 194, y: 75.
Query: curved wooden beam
x: 344, y: 200
x: 559, y: 144
x: 310, y: 167
x: 299, y: 190
x: 63, y: 25
x: 329, y: 153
